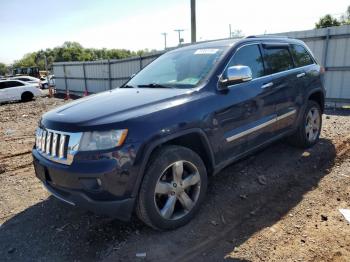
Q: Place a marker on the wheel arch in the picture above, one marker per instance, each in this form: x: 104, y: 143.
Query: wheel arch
x: 29, y: 93
x: 194, y: 139
x: 319, y: 97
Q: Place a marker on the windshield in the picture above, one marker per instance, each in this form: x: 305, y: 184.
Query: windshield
x: 179, y: 69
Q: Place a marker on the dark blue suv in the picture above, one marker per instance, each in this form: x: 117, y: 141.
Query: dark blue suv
x: 149, y: 145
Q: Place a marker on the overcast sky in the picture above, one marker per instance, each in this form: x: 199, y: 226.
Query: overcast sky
x: 28, y: 26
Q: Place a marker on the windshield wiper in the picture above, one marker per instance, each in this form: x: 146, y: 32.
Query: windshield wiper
x: 154, y: 85
x: 127, y: 86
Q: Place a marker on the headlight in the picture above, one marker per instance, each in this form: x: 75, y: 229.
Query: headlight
x: 99, y: 140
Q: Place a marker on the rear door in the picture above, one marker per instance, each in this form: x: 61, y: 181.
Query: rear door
x: 285, y: 82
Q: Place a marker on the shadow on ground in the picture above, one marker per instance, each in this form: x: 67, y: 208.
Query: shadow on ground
x: 243, y: 199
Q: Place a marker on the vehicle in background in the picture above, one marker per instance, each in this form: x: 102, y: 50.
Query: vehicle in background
x: 27, y: 79
x: 45, y: 84
x: 15, y: 90
x: 29, y: 71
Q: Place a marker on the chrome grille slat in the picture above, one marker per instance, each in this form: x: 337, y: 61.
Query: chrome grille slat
x: 43, y: 140
x: 62, y: 144
x: 48, y: 143
x: 57, y: 146
x: 54, y: 145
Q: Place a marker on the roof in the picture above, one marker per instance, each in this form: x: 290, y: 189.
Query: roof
x: 231, y: 41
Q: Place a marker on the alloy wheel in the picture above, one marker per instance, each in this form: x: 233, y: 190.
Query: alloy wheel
x: 177, y: 190
x: 313, y: 122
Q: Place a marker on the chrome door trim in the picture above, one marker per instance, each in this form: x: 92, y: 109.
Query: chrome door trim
x: 258, y: 127
x: 251, y: 130
x: 286, y: 115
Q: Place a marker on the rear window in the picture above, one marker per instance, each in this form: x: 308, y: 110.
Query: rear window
x: 278, y: 59
x: 301, y: 56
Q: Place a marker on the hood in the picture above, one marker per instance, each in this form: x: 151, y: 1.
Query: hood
x: 112, y: 107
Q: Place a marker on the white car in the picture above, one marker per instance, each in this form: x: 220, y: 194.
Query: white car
x: 45, y: 83
x: 13, y: 90
x: 27, y: 79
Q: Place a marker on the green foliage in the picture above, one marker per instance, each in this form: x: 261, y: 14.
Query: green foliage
x: 73, y: 51
x: 327, y: 21
x: 3, y: 69
x: 345, y: 19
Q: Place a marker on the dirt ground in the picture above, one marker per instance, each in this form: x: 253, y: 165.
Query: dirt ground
x: 281, y: 204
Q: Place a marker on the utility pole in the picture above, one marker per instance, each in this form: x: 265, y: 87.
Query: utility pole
x: 230, y: 30
x: 193, y: 21
x: 179, y: 32
x: 164, y: 34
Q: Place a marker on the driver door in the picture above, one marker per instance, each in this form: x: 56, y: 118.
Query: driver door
x: 248, y: 117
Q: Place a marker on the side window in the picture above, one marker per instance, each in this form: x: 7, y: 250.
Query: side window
x: 2, y: 85
x: 13, y: 84
x: 301, y: 56
x: 24, y: 79
x: 249, y: 56
x: 278, y: 59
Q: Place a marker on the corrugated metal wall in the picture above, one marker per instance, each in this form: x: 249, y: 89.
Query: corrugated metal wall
x: 331, y: 46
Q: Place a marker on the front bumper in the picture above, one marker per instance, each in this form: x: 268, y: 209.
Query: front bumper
x: 101, y: 186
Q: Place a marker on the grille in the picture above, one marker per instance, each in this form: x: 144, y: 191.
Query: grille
x: 57, y: 146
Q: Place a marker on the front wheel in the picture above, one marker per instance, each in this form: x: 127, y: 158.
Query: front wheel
x: 172, y: 189
x: 309, y: 129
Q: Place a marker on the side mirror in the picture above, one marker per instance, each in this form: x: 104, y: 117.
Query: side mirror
x: 236, y: 75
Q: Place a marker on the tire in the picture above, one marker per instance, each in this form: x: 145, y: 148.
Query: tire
x: 27, y: 96
x: 304, y: 137
x: 174, y: 175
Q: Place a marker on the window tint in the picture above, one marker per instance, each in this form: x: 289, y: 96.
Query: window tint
x: 249, y: 56
x: 24, y: 79
x: 278, y: 59
x: 301, y: 56
x: 13, y: 84
x: 2, y: 85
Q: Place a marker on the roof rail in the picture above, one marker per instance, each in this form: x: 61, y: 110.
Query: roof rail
x: 267, y: 36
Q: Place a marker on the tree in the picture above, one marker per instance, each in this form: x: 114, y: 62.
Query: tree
x: 73, y: 51
x: 345, y: 19
x: 3, y: 69
x: 327, y: 21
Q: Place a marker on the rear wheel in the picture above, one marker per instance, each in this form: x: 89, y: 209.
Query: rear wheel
x: 27, y: 96
x: 173, y: 188
x: 309, y: 130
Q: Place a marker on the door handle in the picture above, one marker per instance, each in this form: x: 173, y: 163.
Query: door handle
x: 300, y: 75
x: 267, y: 85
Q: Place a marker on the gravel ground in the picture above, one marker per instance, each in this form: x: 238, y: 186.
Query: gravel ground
x: 280, y: 204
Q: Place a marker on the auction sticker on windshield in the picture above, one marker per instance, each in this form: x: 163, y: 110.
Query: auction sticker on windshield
x: 207, y: 51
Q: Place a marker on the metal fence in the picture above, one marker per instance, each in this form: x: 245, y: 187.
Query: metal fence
x: 331, y: 46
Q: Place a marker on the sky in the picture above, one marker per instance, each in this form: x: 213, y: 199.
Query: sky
x: 28, y: 26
